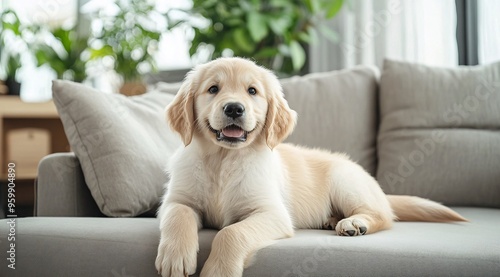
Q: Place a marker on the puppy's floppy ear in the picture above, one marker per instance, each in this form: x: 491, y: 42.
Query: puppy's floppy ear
x: 180, y: 112
x: 280, y: 119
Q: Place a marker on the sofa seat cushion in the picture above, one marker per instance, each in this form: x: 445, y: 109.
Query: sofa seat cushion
x: 127, y: 247
x: 439, y: 133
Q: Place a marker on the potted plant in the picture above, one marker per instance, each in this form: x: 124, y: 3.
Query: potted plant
x: 128, y: 38
x: 10, y: 56
x: 274, y: 33
x: 62, y: 50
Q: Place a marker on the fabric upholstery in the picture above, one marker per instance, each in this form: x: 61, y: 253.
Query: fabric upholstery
x: 439, y: 134
x: 458, y: 148
x: 61, y: 190
x: 83, y: 247
x: 123, y: 145
x: 337, y: 111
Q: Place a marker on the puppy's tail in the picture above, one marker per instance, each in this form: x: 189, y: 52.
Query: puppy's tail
x: 412, y: 208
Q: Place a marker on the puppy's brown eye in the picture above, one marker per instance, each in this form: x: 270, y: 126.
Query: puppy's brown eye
x: 213, y: 89
x: 252, y: 91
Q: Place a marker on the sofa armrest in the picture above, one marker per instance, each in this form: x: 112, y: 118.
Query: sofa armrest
x: 61, y: 190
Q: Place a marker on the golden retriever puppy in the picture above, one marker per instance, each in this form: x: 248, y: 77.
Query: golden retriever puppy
x: 234, y: 175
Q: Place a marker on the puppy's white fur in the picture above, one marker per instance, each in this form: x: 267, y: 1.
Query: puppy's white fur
x: 259, y: 190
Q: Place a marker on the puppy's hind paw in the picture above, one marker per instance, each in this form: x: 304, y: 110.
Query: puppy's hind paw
x: 351, y: 227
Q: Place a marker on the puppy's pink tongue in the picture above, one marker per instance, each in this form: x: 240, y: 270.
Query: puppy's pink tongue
x: 232, y: 132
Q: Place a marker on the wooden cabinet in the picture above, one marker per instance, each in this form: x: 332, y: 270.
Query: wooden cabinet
x: 29, y: 131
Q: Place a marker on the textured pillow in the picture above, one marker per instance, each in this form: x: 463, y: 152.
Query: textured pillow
x: 123, y: 145
x: 439, y: 135
x: 337, y: 111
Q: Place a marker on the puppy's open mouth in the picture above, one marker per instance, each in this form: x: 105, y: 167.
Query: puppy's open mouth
x: 230, y: 133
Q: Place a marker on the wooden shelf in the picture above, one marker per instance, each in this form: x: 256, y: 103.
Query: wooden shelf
x: 28, y: 132
x: 14, y: 107
x: 26, y: 176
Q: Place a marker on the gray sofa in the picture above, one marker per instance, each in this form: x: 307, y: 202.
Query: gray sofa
x: 430, y: 132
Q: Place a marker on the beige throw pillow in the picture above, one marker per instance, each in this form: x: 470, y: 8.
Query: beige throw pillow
x: 123, y: 144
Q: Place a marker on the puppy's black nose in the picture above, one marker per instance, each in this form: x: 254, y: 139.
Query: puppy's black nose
x: 234, y: 110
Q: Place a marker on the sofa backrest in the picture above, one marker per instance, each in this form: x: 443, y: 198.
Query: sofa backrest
x: 337, y: 111
x: 439, y: 133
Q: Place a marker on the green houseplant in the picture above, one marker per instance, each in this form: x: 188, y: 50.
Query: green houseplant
x: 10, y: 56
x: 129, y: 38
x: 66, y: 57
x: 60, y: 48
x: 273, y: 32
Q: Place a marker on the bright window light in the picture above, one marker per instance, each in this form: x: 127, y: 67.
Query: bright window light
x: 489, y: 31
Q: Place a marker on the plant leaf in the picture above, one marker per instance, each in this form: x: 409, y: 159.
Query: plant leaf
x: 334, y: 8
x: 64, y: 36
x: 313, y: 5
x: 329, y: 33
x: 279, y: 25
x: 41, y: 57
x: 284, y: 49
x: 308, y: 5
x: 313, y: 35
x: 13, y: 24
x: 305, y: 37
x: 242, y: 41
x: 267, y: 53
x: 104, y: 51
x: 280, y: 3
x: 298, y: 55
x: 256, y: 25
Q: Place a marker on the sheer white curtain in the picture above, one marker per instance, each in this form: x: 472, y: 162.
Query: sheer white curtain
x: 489, y: 31
x: 419, y: 31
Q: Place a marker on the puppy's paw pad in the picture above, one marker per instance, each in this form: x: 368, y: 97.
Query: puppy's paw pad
x: 351, y: 227
x: 362, y: 230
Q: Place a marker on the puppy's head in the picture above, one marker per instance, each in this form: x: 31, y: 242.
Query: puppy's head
x: 233, y: 103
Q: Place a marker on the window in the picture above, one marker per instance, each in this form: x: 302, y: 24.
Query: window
x: 489, y: 31
x: 173, y: 52
x: 36, y: 85
x: 51, y: 12
x: 419, y: 31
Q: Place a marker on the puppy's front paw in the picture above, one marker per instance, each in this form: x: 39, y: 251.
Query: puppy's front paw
x: 175, y: 260
x: 351, y: 227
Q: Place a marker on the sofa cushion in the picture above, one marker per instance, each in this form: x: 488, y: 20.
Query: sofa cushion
x: 123, y: 145
x: 83, y: 247
x: 337, y: 111
x: 439, y: 133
